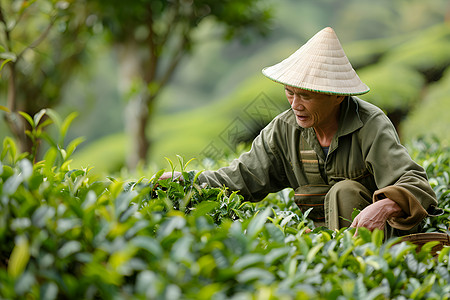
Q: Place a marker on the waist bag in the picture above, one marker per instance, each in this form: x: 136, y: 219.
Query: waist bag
x: 313, y: 194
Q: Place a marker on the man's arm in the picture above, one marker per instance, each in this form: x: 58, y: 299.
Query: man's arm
x: 398, y: 177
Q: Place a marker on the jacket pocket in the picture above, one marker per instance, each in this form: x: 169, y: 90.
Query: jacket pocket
x: 312, y: 196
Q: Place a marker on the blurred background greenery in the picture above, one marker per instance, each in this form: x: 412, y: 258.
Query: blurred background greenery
x: 401, y: 49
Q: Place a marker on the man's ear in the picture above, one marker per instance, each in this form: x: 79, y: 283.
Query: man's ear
x: 339, y: 99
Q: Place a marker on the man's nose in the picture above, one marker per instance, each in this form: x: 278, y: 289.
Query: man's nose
x: 297, y: 103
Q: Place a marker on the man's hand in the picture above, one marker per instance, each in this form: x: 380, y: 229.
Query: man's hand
x: 376, y: 214
x: 167, y: 175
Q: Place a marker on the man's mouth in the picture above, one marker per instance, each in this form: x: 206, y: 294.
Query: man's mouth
x: 302, y: 118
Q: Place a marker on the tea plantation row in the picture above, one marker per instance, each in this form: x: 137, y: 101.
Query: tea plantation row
x: 64, y: 235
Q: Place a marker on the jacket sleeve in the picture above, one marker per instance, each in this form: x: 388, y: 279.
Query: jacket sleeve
x: 397, y: 176
x: 255, y: 173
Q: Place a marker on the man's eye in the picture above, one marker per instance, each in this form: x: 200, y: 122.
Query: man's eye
x: 289, y: 92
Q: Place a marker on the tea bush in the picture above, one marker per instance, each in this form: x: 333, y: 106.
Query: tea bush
x: 65, y: 235
x: 435, y: 158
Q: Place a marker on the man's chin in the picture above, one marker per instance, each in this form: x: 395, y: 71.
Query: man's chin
x: 304, y: 124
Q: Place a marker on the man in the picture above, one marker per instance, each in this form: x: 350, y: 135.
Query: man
x: 335, y: 150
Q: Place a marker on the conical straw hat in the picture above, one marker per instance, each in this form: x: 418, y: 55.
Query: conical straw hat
x: 321, y: 66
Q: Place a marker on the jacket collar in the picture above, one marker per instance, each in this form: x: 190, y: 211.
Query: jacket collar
x: 349, y: 120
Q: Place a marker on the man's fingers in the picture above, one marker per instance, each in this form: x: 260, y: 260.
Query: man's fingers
x: 355, y: 222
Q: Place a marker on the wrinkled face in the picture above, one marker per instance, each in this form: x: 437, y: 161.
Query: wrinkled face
x: 313, y: 109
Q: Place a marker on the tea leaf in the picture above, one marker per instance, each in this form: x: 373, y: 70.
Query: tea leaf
x: 19, y: 257
x: 313, y: 252
x: 24, y: 283
x: 55, y: 117
x: 149, y: 244
x: 255, y: 274
x: 41, y: 215
x: 428, y: 246
x: 9, y: 146
x: 360, y: 289
x: 377, y: 292
x: 28, y: 118
x: 257, y: 223
x: 38, y: 116
x: 196, y: 176
x: 44, y: 124
x: 49, y: 291
x: 170, y: 225
x: 66, y: 123
x: 186, y: 164
x: 276, y: 254
x: 69, y: 248
x: 123, y: 201
x: 181, y: 249
x: 12, y: 183
x: 377, y: 237
x: 444, y: 254
x: 204, y: 208
x: 247, y: 261
x: 5, y: 61
x: 172, y: 168
x: 158, y: 175
x: 73, y: 145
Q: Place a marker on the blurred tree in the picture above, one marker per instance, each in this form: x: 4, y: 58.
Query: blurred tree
x: 152, y: 37
x: 41, y: 43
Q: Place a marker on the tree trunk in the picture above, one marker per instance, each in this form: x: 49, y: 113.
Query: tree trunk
x: 136, y: 111
x: 17, y: 125
x: 137, y: 117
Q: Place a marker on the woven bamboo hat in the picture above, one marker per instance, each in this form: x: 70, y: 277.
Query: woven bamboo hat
x: 320, y: 66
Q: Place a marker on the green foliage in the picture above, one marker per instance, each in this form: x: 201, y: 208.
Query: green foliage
x: 135, y: 20
x: 435, y: 158
x: 425, y: 51
x: 41, y: 44
x: 64, y: 235
x: 430, y: 118
x: 398, y: 79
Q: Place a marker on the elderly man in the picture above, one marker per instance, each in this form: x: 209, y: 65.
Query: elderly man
x: 335, y: 150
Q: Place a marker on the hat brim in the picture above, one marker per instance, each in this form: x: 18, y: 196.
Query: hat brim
x: 321, y: 91
x: 319, y: 66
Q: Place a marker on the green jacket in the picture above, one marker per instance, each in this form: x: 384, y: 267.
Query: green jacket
x: 366, y: 148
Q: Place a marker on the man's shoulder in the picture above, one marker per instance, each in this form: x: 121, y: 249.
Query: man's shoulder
x: 367, y: 110
x: 374, y: 119
x: 366, y: 107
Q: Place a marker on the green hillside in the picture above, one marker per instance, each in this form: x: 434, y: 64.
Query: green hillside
x: 401, y: 61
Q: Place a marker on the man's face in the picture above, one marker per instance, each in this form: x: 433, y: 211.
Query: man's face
x: 313, y: 109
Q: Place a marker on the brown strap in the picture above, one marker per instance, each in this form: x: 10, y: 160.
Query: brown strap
x: 310, y: 163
